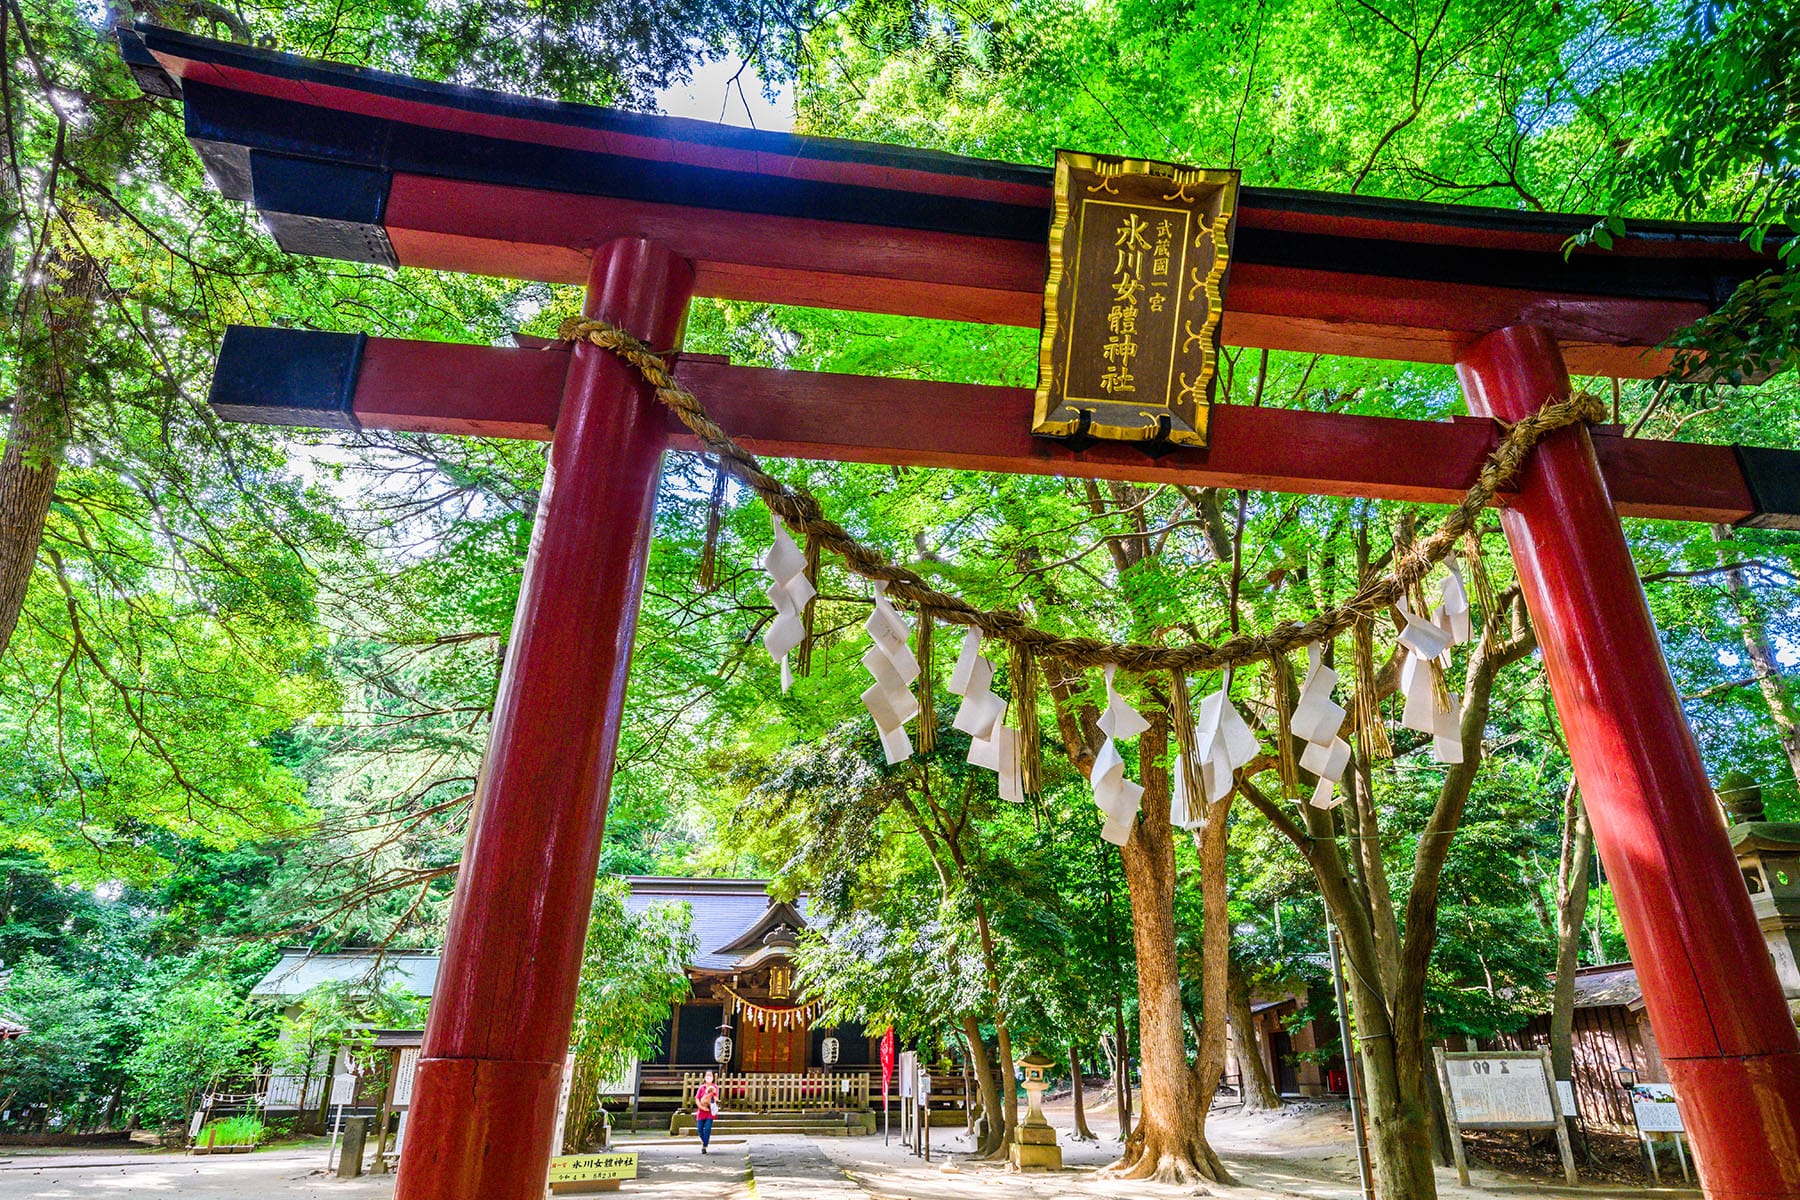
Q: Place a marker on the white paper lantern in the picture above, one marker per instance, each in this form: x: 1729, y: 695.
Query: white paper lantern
x: 828, y: 1050
x: 722, y: 1049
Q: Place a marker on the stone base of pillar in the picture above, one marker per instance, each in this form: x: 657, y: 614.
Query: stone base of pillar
x: 1034, y: 1148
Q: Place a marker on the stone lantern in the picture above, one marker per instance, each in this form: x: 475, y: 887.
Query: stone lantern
x: 1768, y: 853
x: 1034, y: 1145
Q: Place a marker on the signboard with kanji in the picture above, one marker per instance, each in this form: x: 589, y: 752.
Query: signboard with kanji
x: 1138, y: 256
x: 1497, y: 1092
x: 1501, y: 1089
x: 592, y: 1168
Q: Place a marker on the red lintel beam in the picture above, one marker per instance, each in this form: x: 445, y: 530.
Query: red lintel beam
x: 280, y: 376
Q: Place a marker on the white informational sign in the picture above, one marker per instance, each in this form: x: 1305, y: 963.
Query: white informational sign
x: 1654, y: 1104
x: 907, y: 1074
x: 1501, y: 1092
x: 343, y: 1088
x: 1565, y: 1090
x: 404, y: 1071
x: 194, y: 1125
x: 562, y: 1101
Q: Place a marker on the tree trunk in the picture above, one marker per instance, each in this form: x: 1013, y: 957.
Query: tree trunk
x: 1259, y: 1089
x: 991, y: 1134
x: 1121, y: 1068
x: 1167, y: 1144
x: 57, y: 319
x: 1755, y: 633
x: 1399, y: 1123
x: 1215, y: 974
x: 1082, y: 1132
x: 1009, y: 1083
x: 1571, y: 914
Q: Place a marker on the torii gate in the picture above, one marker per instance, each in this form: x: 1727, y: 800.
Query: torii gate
x: 649, y: 211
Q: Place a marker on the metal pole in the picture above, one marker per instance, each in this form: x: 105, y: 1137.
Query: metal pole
x: 1350, y: 1065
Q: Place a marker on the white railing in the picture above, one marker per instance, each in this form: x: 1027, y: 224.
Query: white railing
x: 284, y: 1092
x: 784, y: 1093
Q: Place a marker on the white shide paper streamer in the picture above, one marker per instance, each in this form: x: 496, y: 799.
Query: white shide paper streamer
x: 1449, y: 626
x: 789, y: 591
x: 1317, y: 719
x: 1116, y: 795
x: 992, y: 743
x: 1223, y: 742
x: 890, y: 660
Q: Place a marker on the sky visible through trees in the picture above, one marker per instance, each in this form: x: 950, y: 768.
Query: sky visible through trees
x: 247, y: 673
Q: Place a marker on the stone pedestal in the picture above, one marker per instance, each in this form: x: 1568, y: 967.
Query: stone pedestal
x: 1034, y: 1148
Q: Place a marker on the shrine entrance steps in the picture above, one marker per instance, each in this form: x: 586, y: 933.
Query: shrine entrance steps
x: 800, y: 1124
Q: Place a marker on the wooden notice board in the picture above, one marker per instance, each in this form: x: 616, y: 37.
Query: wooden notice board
x: 1138, y: 257
x: 1501, y: 1089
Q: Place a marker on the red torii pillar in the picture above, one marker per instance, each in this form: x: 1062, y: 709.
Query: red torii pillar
x: 1709, y: 982
x: 491, y: 1067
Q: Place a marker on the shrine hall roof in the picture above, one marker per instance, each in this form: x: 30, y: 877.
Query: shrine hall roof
x: 1607, y: 985
x: 300, y: 970
x: 726, y: 912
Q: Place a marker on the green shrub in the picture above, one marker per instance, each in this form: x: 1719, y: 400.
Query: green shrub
x: 233, y: 1131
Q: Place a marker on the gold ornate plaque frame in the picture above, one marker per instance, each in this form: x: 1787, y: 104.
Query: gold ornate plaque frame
x: 1139, y: 252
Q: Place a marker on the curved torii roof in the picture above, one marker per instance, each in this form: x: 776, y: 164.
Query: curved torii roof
x: 369, y: 166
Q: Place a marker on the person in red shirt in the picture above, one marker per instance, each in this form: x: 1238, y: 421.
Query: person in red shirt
x: 706, y: 1099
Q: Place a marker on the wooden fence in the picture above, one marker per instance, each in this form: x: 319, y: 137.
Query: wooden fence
x: 1604, y: 1038
x: 833, y: 1092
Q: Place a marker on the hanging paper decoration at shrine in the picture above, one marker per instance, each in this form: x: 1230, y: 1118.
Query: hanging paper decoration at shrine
x: 1453, y: 614
x: 890, y: 660
x: 1316, y: 721
x: 762, y: 1016
x: 789, y: 591
x: 992, y: 743
x: 1116, y: 795
x: 1223, y: 742
x: 1428, y: 705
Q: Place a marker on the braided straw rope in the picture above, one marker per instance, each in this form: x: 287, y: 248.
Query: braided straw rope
x: 802, y: 512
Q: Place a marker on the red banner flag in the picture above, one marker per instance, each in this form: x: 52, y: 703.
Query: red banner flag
x: 887, y: 1063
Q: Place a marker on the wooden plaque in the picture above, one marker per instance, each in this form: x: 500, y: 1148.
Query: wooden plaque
x: 1138, y: 256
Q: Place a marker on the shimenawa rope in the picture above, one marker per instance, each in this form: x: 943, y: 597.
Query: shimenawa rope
x: 802, y: 512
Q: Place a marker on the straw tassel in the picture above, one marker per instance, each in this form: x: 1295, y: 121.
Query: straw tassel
x: 1484, y: 586
x: 1182, y: 718
x: 715, y: 515
x: 1025, y: 707
x: 803, y: 655
x: 925, y: 729
x: 1283, y: 688
x: 1371, y: 732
